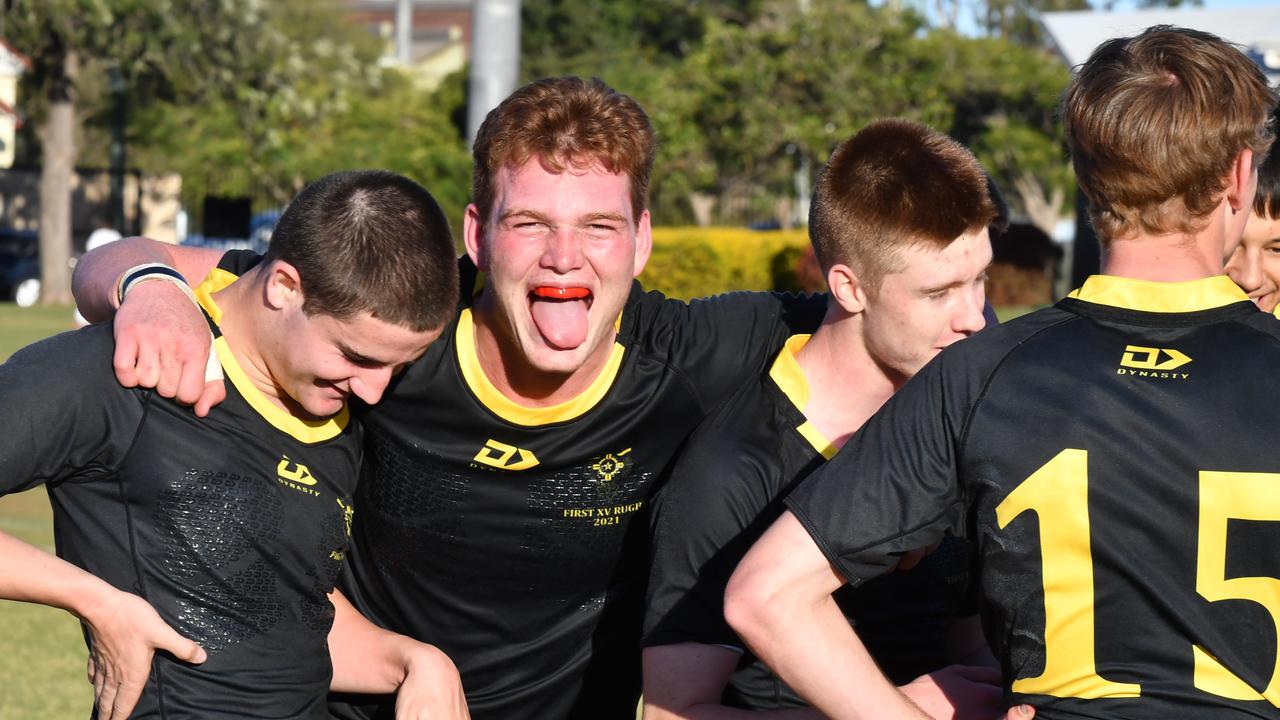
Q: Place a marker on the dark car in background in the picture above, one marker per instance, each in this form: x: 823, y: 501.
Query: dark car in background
x: 19, y: 266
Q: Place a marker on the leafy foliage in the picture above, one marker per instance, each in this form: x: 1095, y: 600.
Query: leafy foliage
x: 743, y: 109
x: 689, y: 262
x: 257, y: 97
x: 243, y: 97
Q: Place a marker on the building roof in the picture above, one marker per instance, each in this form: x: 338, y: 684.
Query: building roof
x: 1257, y: 29
x: 12, y: 62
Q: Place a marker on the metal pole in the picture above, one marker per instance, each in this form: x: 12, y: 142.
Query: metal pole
x: 404, y: 31
x: 495, y: 58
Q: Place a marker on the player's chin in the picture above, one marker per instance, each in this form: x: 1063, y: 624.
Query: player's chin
x: 324, y: 405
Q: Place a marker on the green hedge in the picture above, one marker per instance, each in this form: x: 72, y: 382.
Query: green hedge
x: 690, y: 262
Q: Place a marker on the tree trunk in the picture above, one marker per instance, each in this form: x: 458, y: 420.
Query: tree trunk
x: 702, y: 204
x: 1044, y: 212
x: 58, y: 147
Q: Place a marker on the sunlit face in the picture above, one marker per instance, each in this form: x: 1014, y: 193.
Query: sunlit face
x: 1255, y: 264
x: 560, y: 250
x: 322, y: 360
x: 935, y: 299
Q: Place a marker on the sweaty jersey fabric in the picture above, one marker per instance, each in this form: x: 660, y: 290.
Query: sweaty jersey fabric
x: 1113, y: 458
x: 726, y: 489
x: 232, y: 526
x: 516, y: 539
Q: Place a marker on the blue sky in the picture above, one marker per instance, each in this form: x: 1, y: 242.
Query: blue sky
x: 967, y: 17
x: 1238, y: 3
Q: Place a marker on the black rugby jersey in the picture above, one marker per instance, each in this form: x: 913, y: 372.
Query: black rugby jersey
x: 1113, y: 457
x: 515, y: 538
x: 232, y: 526
x: 726, y: 489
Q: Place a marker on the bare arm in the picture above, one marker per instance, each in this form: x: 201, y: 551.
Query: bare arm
x: 96, y: 274
x: 162, y: 340
x: 685, y: 681
x: 369, y: 659
x: 124, y: 630
x: 779, y: 601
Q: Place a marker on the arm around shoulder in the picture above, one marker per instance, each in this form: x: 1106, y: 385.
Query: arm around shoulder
x: 97, y: 275
x: 162, y: 340
x: 728, y: 339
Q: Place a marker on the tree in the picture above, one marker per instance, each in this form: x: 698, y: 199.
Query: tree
x: 317, y: 103
x: 155, y: 45
x: 1019, y: 20
x: 1005, y: 98
x: 742, y: 112
x: 756, y: 103
x: 389, y: 124
x: 592, y: 37
x: 746, y: 96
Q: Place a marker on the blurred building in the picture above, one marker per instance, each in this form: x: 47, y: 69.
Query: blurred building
x: 1255, y: 29
x: 12, y: 65
x: 1024, y: 266
x: 151, y: 202
x: 439, y: 34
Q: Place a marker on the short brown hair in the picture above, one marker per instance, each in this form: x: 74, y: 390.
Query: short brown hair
x: 1266, y: 203
x: 564, y: 121
x: 895, y: 184
x: 1154, y: 122
x: 373, y: 241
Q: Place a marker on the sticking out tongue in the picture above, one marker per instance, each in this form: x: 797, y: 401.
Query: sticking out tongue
x: 560, y: 314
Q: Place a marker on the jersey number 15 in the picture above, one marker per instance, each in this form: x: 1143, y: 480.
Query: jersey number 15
x: 1058, y: 493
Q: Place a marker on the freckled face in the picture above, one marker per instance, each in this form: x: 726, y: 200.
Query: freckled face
x: 560, y: 251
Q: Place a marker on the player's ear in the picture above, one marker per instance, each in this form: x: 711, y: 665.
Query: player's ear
x: 1241, y: 182
x: 644, y: 242
x: 284, y: 286
x: 846, y: 288
x: 473, y: 237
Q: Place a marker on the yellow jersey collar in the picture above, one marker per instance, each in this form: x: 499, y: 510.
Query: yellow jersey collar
x: 306, y: 431
x: 492, y: 398
x: 1149, y: 296
x: 787, y: 375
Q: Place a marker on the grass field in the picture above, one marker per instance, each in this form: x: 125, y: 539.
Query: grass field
x: 41, y: 650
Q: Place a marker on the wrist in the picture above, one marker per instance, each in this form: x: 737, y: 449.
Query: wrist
x: 147, y: 273
x: 95, y: 600
x: 422, y: 660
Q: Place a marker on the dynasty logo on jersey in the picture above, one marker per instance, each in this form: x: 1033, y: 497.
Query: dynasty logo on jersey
x: 505, y: 457
x: 295, y: 476
x: 1150, y: 362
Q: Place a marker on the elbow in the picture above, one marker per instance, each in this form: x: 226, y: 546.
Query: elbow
x: 750, y: 603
